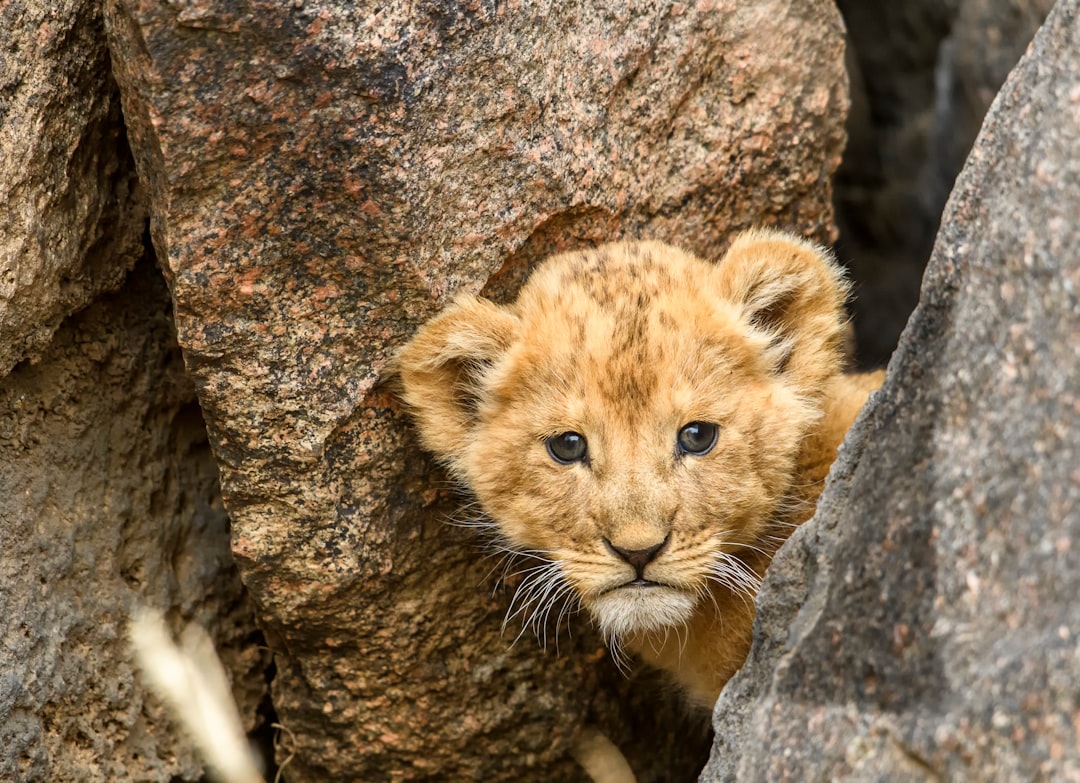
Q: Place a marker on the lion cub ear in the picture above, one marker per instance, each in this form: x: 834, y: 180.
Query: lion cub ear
x: 792, y: 294
x: 443, y: 369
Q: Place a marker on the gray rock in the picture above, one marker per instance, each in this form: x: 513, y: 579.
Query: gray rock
x: 923, y: 74
x: 109, y: 499
x: 924, y: 626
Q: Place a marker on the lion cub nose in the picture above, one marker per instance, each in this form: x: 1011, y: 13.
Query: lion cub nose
x: 638, y: 558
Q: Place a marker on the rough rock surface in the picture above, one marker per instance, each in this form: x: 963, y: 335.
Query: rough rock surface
x: 322, y: 177
x: 986, y: 40
x: 71, y: 225
x: 923, y: 74
x: 885, y: 216
x: 109, y: 499
x: 924, y: 626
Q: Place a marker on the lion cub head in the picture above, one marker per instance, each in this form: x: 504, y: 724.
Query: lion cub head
x: 635, y: 416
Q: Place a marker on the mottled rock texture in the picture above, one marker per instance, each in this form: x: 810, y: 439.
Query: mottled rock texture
x: 109, y: 499
x: 924, y: 626
x: 322, y: 177
x: 923, y: 74
x: 985, y: 42
x: 108, y: 490
x: 71, y: 225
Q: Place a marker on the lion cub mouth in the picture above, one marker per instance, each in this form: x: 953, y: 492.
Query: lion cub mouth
x: 639, y: 582
x: 640, y: 606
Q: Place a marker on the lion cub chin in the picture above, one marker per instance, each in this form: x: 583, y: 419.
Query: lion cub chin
x: 652, y: 425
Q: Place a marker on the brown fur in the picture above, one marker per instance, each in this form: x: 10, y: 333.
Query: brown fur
x: 626, y: 344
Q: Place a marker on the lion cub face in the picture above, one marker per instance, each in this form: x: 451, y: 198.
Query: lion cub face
x: 634, y: 417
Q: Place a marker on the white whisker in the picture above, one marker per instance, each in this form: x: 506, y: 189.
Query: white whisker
x: 618, y: 655
x: 683, y: 639
x: 733, y: 574
x: 542, y: 588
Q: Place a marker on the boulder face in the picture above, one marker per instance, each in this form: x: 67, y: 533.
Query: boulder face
x: 322, y: 177
x: 109, y: 494
x: 71, y: 222
x: 924, y: 625
x: 923, y: 74
x: 109, y: 500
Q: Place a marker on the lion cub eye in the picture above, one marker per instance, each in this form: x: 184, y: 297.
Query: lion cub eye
x: 567, y: 447
x: 697, y: 438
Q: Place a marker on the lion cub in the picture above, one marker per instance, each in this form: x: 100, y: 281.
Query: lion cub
x: 653, y: 425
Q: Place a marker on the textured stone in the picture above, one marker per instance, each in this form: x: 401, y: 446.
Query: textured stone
x: 924, y: 626
x: 322, y: 177
x: 71, y: 224
x: 987, y: 39
x: 923, y: 74
x: 109, y: 498
x: 887, y: 207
